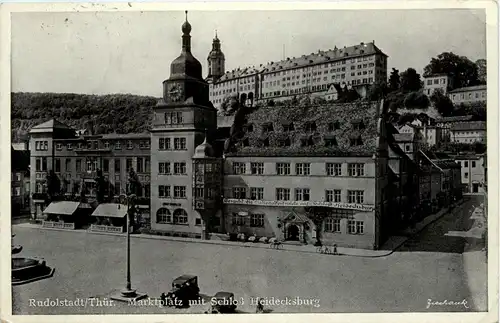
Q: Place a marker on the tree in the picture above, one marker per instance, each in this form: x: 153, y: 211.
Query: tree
x: 133, y: 183
x: 481, y: 70
x: 377, y: 91
x: 462, y: 71
x: 394, y: 80
x: 410, y: 80
x: 229, y: 105
x: 442, y: 103
x: 416, y: 100
x: 100, y: 182
x: 53, y: 185
x: 317, y: 214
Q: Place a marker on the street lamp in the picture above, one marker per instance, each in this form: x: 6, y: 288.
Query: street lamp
x: 127, y: 294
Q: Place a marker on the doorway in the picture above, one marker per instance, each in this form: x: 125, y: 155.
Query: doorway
x: 293, y: 233
x: 475, y: 188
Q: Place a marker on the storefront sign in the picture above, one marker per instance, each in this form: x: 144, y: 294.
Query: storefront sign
x: 336, y: 205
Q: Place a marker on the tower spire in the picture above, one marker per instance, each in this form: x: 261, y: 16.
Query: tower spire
x: 186, y: 15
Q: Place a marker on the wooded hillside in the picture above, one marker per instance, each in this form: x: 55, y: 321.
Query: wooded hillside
x: 120, y: 113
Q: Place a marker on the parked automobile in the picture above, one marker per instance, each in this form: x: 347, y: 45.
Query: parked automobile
x: 184, y: 289
x: 223, y: 302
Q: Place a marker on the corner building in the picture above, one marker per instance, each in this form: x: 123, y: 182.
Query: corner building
x: 303, y: 173
x: 182, y: 121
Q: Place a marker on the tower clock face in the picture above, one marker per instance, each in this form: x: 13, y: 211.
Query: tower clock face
x: 175, y: 93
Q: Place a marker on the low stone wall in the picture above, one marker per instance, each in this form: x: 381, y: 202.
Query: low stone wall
x: 105, y: 228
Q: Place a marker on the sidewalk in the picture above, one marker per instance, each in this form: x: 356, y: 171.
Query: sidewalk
x: 392, y: 244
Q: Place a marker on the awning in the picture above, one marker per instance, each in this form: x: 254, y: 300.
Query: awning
x: 112, y: 210
x: 62, y: 207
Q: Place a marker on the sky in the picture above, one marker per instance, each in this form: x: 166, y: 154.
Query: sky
x: 131, y: 52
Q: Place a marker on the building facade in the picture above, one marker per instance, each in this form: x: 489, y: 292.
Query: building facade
x: 471, y: 94
x: 446, y: 123
x: 182, y: 121
x: 20, y: 179
x: 437, y: 81
x: 358, y: 66
x: 76, y: 160
x: 473, y: 172
x: 468, y: 132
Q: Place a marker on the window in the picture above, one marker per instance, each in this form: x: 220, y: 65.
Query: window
x: 163, y: 191
x: 334, y: 169
x: 164, y: 144
x: 333, y: 126
x: 310, y: 127
x: 257, y: 193
x: 302, y: 194
x: 303, y: 169
x: 70, y: 146
x: 197, y: 221
x: 473, y: 164
x: 249, y: 128
x: 106, y: 145
x: 164, y: 168
x: 356, y: 141
x: 355, y: 197
x: 117, y: 188
x: 180, y: 192
x: 78, y: 165
x: 163, y: 216
x: 288, y: 127
x: 68, y: 165
x: 356, y: 169
x: 238, y: 219
x: 239, y: 193
x: 407, y: 147
x: 355, y: 227
x: 57, y: 165
x: 332, y: 225
x: 239, y: 168
x: 466, y: 164
x: 257, y: 220
x: 466, y: 175
x: 332, y: 196
x: 105, y: 165
x: 179, y: 143
x: 283, y: 168
x: 257, y: 168
x: 180, y: 168
x: 130, y: 145
x: 358, y: 125
x: 118, y: 145
x: 267, y: 127
x: 117, y: 166
x: 59, y: 146
x: 199, y: 192
x: 174, y: 118
x: 282, y: 194
x: 128, y: 164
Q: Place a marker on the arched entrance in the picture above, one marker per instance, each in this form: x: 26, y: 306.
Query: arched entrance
x: 293, y: 233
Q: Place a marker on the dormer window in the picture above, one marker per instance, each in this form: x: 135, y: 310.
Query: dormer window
x: 106, y: 145
x: 330, y: 141
x: 310, y: 127
x: 118, y: 145
x: 358, y: 125
x: 356, y: 141
x: 284, y: 142
x: 287, y: 127
x: 267, y: 127
x: 306, y: 141
x: 332, y: 126
x: 70, y: 146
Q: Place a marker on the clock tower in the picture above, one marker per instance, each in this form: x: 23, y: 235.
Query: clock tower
x: 183, y: 119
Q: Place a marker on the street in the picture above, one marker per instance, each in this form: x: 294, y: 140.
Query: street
x: 428, y: 267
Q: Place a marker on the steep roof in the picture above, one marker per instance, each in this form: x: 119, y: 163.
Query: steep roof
x: 237, y: 73
x: 469, y: 88
x: 472, y: 125
x: 348, y: 129
x: 445, y: 163
x: 50, y: 126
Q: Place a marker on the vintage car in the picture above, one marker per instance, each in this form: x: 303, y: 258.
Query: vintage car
x: 184, y: 289
x: 223, y: 302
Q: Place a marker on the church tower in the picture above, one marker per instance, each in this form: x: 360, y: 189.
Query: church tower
x: 182, y: 120
x: 216, y: 61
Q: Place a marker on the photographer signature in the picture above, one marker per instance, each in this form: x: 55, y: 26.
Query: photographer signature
x: 446, y: 302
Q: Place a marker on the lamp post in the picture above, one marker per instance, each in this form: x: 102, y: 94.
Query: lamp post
x: 127, y: 294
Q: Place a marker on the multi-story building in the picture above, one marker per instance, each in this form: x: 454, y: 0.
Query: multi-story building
x: 468, y: 132
x: 473, y: 172
x: 306, y: 174
x: 76, y: 159
x: 437, y: 81
x: 432, y: 134
x: 358, y: 66
x: 20, y: 175
x: 184, y: 170
x: 470, y: 94
x: 446, y: 123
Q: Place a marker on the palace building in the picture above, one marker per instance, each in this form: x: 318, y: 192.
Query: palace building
x: 355, y: 67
